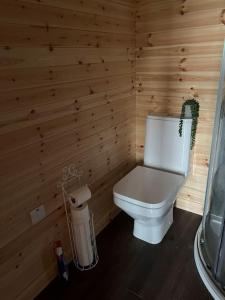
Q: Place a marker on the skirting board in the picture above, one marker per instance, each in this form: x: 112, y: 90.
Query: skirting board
x: 195, y: 208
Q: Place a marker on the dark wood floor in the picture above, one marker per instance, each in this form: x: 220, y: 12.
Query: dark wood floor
x: 132, y: 269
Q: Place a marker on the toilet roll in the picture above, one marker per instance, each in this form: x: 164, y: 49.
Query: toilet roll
x: 82, y: 234
x: 79, y: 196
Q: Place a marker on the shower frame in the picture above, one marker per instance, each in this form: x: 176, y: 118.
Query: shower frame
x: 207, y: 271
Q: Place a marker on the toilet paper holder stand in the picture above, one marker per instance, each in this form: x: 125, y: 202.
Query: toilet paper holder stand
x: 73, y: 175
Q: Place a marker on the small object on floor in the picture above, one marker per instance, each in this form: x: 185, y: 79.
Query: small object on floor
x: 63, y: 269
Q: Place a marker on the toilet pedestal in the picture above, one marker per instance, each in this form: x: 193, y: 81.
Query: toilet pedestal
x: 153, y: 230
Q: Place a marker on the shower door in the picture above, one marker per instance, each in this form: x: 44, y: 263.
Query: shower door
x: 213, y: 233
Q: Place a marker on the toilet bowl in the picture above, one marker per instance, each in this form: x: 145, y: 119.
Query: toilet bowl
x: 148, y: 195
x: 148, y: 192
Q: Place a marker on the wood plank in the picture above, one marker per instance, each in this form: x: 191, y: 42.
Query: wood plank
x: 63, y: 92
x: 32, y: 77
x: 95, y: 7
x: 23, y: 57
x: 181, y: 18
x: 174, y: 5
x: 40, y: 36
x: 46, y: 155
x: 206, y: 34
x: 21, y: 12
x: 196, y: 65
x: 202, y: 50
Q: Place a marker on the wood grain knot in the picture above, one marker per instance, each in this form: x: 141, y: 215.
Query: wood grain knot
x: 183, y: 10
x: 222, y: 16
x: 50, y: 48
x: 183, y: 60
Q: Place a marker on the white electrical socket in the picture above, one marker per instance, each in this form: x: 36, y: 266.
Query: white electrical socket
x: 38, y: 214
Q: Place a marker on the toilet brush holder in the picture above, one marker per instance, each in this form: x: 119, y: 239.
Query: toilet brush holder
x: 80, y: 224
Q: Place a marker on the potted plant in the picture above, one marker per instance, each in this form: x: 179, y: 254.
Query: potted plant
x: 190, y: 109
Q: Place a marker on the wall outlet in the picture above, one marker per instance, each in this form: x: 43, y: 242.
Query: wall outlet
x: 38, y: 214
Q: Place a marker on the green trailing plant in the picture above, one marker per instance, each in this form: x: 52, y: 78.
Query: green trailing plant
x: 194, y: 107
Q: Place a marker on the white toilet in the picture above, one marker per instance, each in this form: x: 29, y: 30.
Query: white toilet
x: 148, y: 192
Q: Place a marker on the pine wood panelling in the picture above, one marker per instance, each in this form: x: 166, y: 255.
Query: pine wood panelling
x: 164, y: 20
x: 22, y: 78
x: 42, y: 57
x: 206, y: 34
x: 39, y: 36
x: 21, y: 12
x: 178, y: 55
x: 47, y: 176
x: 173, y: 6
x: 67, y: 86
x: 96, y: 7
x: 71, y: 93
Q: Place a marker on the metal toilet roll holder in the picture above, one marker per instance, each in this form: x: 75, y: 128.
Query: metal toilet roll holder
x: 71, y: 176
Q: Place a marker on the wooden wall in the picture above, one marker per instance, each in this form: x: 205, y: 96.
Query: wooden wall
x: 179, y: 47
x: 67, y: 96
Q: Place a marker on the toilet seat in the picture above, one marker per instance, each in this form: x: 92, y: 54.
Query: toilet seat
x: 149, y: 188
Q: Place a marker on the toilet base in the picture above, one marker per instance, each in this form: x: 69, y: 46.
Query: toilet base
x: 153, y: 230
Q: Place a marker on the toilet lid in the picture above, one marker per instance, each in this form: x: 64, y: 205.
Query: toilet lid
x: 147, y: 187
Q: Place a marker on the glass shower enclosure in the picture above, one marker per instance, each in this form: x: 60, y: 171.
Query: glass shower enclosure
x: 210, y: 238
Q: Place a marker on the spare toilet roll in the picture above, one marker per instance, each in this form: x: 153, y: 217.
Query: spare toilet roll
x: 82, y: 234
x: 79, y: 196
